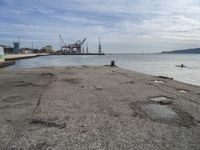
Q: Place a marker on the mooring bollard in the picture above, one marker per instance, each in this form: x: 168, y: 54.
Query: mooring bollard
x: 112, y: 64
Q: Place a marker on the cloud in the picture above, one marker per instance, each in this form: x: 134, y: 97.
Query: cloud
x: 124, y: 25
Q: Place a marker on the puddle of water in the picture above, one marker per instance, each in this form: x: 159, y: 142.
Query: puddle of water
x: 158, y: 99
x: 158, y: 81
x: 162, y: 100
x: 166, y: 114
x: 156, y: 111
x: 182, y: 91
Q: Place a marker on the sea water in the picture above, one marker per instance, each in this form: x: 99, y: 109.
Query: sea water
x: 153, y: 64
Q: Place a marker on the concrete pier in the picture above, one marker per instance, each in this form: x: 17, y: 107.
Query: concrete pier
x: 86, y: 108
x: 19, y: 56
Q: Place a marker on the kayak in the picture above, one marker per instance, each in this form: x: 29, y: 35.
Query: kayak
x: 181, y: 66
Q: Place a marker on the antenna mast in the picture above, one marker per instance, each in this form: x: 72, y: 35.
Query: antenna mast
x: 87, y: 48
x: 99, y: 47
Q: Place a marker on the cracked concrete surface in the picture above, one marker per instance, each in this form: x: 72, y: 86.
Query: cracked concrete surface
x: 96, y: 108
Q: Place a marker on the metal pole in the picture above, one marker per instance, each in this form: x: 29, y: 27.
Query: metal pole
x: 32, y: 45
x: 19, y: 43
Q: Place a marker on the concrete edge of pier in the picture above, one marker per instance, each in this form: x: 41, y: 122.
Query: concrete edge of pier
x: 23, y: 56
x: 6, y: 63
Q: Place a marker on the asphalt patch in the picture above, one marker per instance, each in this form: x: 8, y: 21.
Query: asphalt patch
x: 167, y: 114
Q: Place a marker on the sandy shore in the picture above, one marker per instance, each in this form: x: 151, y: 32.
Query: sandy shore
x: 96, y: 108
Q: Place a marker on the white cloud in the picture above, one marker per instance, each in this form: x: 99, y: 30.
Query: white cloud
x: 131, y: 25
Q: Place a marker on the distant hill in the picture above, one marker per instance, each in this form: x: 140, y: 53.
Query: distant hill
x: 186, y: 51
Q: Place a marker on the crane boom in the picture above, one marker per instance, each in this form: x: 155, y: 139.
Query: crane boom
x: 63, y: 43
x: 83, y: 41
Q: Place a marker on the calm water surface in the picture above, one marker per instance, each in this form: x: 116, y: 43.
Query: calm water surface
x: 153, y: 64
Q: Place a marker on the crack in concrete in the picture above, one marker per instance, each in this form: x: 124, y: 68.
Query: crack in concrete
x: 48, y: 123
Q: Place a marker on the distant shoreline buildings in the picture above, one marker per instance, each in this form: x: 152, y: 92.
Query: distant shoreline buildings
x: 77, y: 48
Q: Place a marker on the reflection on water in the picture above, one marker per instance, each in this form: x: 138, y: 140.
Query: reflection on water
x: 154, y: 64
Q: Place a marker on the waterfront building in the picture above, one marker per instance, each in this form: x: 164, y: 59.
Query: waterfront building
x: 2, y: 59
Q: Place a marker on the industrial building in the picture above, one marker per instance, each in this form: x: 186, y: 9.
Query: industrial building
x: 2, y: 59
x: 16, y: 47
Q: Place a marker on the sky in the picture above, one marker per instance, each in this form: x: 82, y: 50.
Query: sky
x: 125, y: 26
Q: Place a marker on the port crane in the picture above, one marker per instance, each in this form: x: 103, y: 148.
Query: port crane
x: 61, y: 42
x: 72, y: 48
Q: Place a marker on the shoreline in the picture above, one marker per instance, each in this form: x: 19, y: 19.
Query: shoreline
x: 23, y: 56
x: 6, y: 64
x: 53, y: 67
x: 97, y: 107
x: 11, y: 58
x: 188, y: 75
